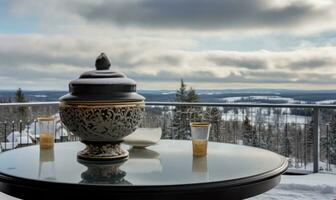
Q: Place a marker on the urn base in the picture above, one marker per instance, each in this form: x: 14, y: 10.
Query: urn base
x: 100, y: 151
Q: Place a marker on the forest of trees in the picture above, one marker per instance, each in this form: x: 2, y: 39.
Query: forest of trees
x: 14, y: 114
x: 259, y: 127
x: 266, y: 128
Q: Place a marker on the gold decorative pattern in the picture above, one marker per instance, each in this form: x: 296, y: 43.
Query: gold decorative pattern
x: 102, y: 123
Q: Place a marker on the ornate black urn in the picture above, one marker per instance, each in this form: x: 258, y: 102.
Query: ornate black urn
x: 101, y: 108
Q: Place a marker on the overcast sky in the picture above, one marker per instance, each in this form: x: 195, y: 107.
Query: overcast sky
x: 212, y: 44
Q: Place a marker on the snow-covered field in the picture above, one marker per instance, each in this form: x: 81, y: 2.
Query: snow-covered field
x: 284, y: 117
x: 258, y: 98
x: 332, y: 101
x: 272, y: 98
x: 266, y: 115
x: 323, y: 167
x: 305, y: 187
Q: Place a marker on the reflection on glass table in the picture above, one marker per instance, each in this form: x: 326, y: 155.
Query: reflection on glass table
x: 145, y: 160
x: 47, y: 165
x: 103, y: 173
x: 200, y: 167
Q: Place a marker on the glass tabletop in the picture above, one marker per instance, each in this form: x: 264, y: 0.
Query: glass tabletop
x: 170, y: 162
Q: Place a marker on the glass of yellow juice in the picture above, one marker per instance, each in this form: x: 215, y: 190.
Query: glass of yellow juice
x: 47, y: 130
x: 200, y: 135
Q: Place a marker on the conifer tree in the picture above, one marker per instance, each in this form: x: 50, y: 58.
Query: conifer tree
x: 19, y: 96
x: 269, y: 135
x: 183, y: 115
x: 181, y: 93
x: 213, y: 115
x: 308, y: 144
x: 22, y: 111
x: 247, y: 132
x: 254, y: 138
x: 332, y: 141
x: 192, y: 96
x: 285, y: 147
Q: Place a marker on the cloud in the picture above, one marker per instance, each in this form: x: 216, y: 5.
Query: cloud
x: 203, y: 15
x: 299, y: 16
x: 38, y: 61
x: 238, y: 60
x: 280, y: 77
x: 250, y: 77
x: 161, y: 41
x: 169, y: 76
x: 312, y: 63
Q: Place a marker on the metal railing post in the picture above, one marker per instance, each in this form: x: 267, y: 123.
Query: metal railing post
x: 316, y: 140
x: 5, y: 135
x: 13, y: 134
x: 20, y: 130
x: 35, y: 121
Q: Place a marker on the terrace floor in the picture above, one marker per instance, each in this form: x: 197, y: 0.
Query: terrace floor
x: 308, y: 187
x: 313, y: 186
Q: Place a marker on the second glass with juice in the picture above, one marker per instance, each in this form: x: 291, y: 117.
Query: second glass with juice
x: 47, y: 130
x: 200, y: 135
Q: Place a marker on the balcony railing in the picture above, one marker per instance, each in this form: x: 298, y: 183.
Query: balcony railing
x: 305, y: 133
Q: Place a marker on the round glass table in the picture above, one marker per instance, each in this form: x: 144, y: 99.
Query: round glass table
x: 167, y: 170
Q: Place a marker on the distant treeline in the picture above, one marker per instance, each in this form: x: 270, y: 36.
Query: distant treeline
x: 204, y: 95
x: 311, y: 97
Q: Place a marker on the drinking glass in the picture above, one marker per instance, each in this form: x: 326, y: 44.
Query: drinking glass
x: 47, y: 130
x: 200, y: 135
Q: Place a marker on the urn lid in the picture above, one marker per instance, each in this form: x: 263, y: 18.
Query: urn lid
x: 102, y: 85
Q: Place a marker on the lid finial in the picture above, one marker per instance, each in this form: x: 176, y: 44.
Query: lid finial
x: 102, y: 62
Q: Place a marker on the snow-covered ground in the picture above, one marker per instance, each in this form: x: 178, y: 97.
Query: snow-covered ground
x: 331, y: 101
x: 256, y: 98
x: 266, y: 115
x: 323, y: 167
x: 305, y: 187
x: 30, y: 133
x: 272, y: 98
x: 275, y: 98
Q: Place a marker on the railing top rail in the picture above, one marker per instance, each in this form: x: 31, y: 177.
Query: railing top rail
x: 261, y: 105
x: 25, y: 104
x: 242, y: 105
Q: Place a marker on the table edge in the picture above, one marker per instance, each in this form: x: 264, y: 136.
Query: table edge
x: 10, y: 184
